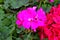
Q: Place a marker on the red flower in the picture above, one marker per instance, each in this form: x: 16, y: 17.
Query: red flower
x: 49, y: 19
x: 52, y: 28
x: 55, y: 11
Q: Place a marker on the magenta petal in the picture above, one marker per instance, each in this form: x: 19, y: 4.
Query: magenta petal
x: 18, y: 23
x: 34, y: 26
x: 26, y: 24
x: 34, y: 7
x: 51, y: 0
x: 41, y: 14
x: 20, y: 15
x: 41, y: 23
x: 31, y: 12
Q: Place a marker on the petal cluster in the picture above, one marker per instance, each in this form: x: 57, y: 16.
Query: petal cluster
x: 30, y: 18
x: 52, y: 28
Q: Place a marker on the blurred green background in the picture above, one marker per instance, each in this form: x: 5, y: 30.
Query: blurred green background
x: 8, y: 12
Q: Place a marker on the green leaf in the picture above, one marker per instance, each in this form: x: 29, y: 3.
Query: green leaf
x: 46, y: 7
x: 35, y: 1
x: 18, y: 39
x: 6, y: 4
x: 15, y: 3
x: 11, y: 29
x: 20, y: 30
x: 27, y: 36
x: 6, y: 22
x: 9, y: 38
x: 18, y: 3
x: 4, y: 32
x: 1, y: 1
x: 1, y: 14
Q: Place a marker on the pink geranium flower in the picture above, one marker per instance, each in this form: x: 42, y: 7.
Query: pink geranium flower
x: 30, y: 18
x: 51, y: 0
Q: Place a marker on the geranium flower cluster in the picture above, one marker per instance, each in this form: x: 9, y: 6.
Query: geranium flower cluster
x: 31, y: 18
x: 47, y: 24
x: 52, y: 28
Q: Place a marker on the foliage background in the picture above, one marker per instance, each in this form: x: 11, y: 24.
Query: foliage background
x: 8, y: 12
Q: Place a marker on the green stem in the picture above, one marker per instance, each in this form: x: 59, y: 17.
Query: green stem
x: 39, y: 4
